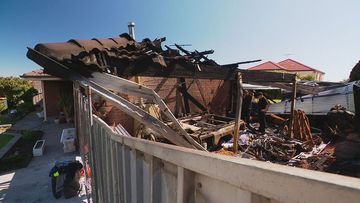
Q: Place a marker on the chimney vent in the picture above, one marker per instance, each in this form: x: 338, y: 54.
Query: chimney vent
x: 131, y: 27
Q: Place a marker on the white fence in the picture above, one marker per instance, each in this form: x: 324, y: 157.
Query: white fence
x: 127, y: 169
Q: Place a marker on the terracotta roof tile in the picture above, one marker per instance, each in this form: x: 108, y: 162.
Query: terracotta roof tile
x: 36, y: 73
x: 267, y: 66
x: 292, y: 65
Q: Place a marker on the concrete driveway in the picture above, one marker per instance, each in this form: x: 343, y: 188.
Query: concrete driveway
x: 32, y: 184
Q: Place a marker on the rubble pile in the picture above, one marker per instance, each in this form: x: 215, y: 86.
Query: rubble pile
x: 319, y: 158
x: 336, y: 153
x: 273, y: 148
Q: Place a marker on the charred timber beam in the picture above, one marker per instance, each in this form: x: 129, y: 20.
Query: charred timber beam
x: 356, y: 92
x: 188, y: 97
x: 183, y: 50
x: 185, y: 94
x: 201, y: 55
x: 238, y: 112
x: 292, y: 110
x: 239, y: 63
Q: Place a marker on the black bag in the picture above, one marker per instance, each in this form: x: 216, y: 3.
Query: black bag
x: 65, y: 178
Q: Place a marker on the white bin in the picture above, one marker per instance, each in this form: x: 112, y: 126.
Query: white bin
x: 68, y: 139
x: 69, y: 145
x: 38, y: 149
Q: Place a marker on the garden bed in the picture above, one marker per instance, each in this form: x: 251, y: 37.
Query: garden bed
x: 20, y: 155
x: 4, y: 139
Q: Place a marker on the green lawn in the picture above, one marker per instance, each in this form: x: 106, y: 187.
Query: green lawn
x: 4, y: 139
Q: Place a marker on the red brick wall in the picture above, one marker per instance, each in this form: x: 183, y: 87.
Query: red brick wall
x: 215, y: 92
x: 52, y: 91
x: 116, y: 116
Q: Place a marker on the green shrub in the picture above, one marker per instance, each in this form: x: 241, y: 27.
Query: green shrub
x: 25, y: 108
x: 2, y: 107
x: 16, y: 90
x: 32, y: 135
x: 306, y: 77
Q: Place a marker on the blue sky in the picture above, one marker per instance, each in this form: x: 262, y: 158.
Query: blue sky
x: 322, y: 34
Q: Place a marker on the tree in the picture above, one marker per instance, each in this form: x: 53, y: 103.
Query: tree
x: 306, y: 77
x: 2, y: 107
x: 16, y: 90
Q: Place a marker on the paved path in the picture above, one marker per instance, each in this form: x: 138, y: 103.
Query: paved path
x: 32, y: 184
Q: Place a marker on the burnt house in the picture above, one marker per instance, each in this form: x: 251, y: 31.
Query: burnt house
x: 191, y: 90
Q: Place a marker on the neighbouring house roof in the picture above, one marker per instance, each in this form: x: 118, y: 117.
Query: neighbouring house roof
x: 267, y: 66
x: 38, y: 75
x: 292, y: 65
x: 286, y: 65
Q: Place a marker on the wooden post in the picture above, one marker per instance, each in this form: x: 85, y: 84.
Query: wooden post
x: 44, y: 100
x: 138, y: 80
x: 293, y: 101
x: 356, y: 94
x: 238, y: 111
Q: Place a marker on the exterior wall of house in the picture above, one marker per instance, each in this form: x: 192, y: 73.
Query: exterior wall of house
x: 37, y: 85
x: 52, y: 91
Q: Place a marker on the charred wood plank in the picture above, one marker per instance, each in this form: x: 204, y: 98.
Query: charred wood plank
x: 239, y: 63
x: 183, y: 50
x: 292, y: 110
x: 183, y: 90
x: 188, y: 97
x: 239, y: 100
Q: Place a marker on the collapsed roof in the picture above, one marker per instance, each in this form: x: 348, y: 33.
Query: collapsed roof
x: 123, y: 56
